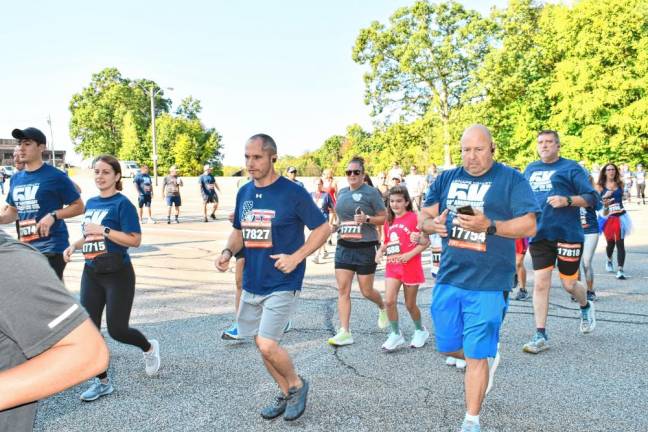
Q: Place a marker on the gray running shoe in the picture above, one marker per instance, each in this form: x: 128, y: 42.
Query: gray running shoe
x: 537, y: 344
x: 522, y: 295
x: 276, y: 409
x: 588, y: 319
x: 152, y: 359
x: 591, y: 296
x: 96, y: 390
x: 609, y: 267
x: 620, y: 275
x: 468, y: 426
x: 296, y: 401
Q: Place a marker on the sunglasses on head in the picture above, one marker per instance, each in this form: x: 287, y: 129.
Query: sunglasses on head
x: 354, y: 172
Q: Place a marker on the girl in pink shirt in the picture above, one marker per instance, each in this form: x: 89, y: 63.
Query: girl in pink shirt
x: 403, y: 267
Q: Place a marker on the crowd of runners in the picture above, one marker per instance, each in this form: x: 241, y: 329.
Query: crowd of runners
x: 478, y: 220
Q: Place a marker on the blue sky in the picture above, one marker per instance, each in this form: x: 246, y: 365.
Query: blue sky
x: 279, y: 67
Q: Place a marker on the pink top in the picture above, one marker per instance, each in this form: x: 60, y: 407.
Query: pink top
x: 397, y: 239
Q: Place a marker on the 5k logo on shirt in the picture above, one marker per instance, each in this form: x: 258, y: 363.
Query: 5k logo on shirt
x: 25, y: 197
x: 540, y: 181
x: 95, y: 216
x: 466, y: 193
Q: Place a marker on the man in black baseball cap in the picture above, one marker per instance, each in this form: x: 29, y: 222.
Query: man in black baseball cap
x: 292, y: 175
x: 29, y: 133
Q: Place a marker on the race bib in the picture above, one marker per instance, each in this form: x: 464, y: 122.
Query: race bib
x: 28, y: 231
x: 172, y: 188
x: 94, y: 245
x: 211, y: 186
x: 393, y: 249
x: 257, y: 235
x: 436, y: 257
x: 146, y: 188
x: 465, y: 239
x: 350, y: 231
x: 569, y: 252
x: 615, y: 208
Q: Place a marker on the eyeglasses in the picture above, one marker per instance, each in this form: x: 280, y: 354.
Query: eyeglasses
x: 610, y: 169
x: 354, y: 172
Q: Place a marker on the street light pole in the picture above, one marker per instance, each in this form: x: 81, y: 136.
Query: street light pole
x: 49, y: 122
x: 152, y: 92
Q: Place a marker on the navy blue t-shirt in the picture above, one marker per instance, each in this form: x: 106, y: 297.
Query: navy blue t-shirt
x: 323, y: 201
x: 565, y: 178
x: 588, y: 218
x: 35, y: 194
x: 143, y: 184
x: 476, y: 261
x: 207, y: 184
x: 272, y: 220
x: 115, y: 212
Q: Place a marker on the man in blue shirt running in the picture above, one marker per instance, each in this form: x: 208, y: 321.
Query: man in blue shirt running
x: 478, y: 209
x: 269, y: 220
x: 40, y: 198
x: 561, y: 187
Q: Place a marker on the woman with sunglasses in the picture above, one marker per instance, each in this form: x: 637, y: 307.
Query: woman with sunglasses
x: 616, y: 223
x: 110, y: 226
x: 360, y: 208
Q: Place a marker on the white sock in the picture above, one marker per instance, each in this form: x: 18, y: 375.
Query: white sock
x: 472, y: 418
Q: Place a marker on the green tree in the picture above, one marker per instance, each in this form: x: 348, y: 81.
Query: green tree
x: 189, y: 108
x: 186, y: 155
x: 98, y: 112
x: 423, y: 61
x: 131, y: 146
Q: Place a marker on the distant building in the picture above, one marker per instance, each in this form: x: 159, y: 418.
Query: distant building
x: 7, y: 146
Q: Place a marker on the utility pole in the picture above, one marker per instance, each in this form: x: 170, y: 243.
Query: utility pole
x: 49, y: 122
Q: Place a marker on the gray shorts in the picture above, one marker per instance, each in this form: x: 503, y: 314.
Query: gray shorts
x: 265, y: 315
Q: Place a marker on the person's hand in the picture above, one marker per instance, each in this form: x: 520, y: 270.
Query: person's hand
x: 44, y: 225
x: 404, y: 258
x: 438, y: 224
x: 67, y: 254
x: 230, y: 217
x: 557, y: 201
x: 415, y: 237
x: 477, y: 223
x: 93, y: 229
x: 360, y: 218
x: 285, y: 263
x: 222, y: 262
x: 379, y: 256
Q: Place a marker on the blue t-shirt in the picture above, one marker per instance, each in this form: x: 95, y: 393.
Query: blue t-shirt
x: 35, y: 194
x: 588, y: 218
x: 565, y: 178
x: 476, y: 261
x: 207, y: 184
x: 615, y: 201
x: 323, y: 201
x: 272, y: 220
x: 143, y: 184
x: 115, y: 212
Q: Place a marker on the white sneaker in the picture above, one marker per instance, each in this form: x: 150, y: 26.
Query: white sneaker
x: 383, y: 320
x: 152, y: 358
x: 456, y: 362
x: 342, y: 338
x: 394, y: 341
x: 419, y: 338
x: 493, y: 362
x: 151, y: 221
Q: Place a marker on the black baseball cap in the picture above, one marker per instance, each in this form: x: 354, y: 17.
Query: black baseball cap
x: 29, y: 133
x: 292, y: 170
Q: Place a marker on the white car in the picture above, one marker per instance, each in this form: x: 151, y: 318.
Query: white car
x: 129, y: 168
x: 8, y: 170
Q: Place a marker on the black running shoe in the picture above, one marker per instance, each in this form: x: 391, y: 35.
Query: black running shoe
x: 522, y: 295
x: 591, y: 296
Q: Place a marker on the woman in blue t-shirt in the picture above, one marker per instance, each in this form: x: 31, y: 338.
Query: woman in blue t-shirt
x: 110, y: 227
x: 616, y: 223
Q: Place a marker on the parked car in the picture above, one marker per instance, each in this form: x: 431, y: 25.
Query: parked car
x: 129, y: 168
x: 8, y: 170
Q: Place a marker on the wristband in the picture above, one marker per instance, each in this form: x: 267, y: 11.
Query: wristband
x: 228, y: 250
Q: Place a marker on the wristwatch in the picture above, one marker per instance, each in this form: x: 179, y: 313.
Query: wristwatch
x: 231, y: 254
x: 53, y: 214
x: 492, y: 228
x: 106, y: 231
x: 569, y: 201
x: 368, y: 218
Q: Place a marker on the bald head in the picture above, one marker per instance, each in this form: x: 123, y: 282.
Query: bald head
x: 477, y: 149
x: 479, y: 132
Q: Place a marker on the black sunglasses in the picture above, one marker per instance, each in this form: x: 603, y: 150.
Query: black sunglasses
x: 354, y: 172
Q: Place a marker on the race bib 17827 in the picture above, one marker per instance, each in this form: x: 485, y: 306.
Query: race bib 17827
x: 257, y: 235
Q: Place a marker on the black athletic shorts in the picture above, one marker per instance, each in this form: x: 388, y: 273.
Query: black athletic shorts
x: 240, y: 254
x: 360, y: 258
x: 545, y: 254
x: 210, y: 198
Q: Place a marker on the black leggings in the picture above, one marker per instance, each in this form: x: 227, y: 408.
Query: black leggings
x: 115, y: 291
x: 57, y: 262
x: 620, y: 245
